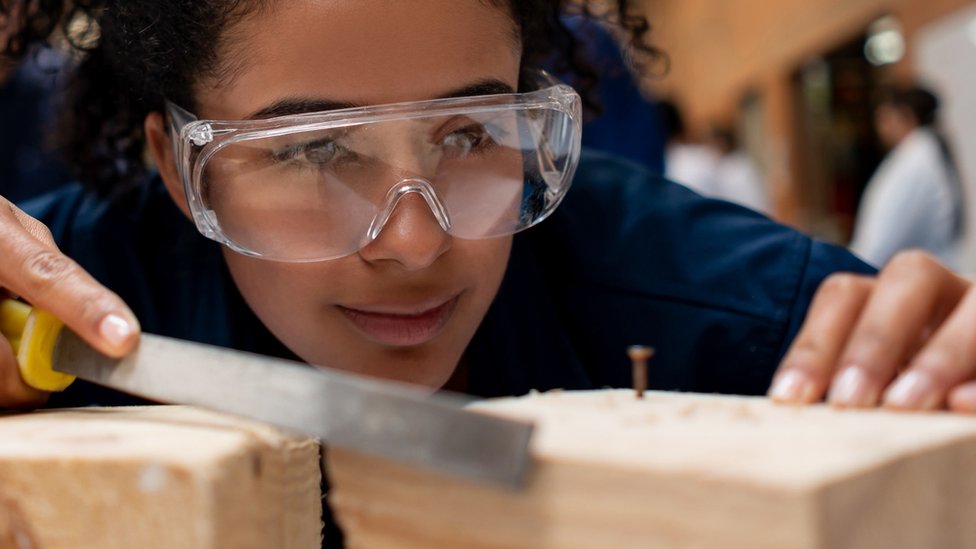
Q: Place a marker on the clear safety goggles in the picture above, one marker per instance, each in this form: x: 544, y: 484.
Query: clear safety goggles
x: 319, y: 186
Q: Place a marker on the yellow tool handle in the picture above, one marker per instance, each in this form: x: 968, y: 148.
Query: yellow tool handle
x: 33, y: 334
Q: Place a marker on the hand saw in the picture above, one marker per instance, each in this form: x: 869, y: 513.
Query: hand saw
x: 383, y: 418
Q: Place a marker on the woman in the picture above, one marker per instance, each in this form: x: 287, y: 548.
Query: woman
x: 914, y: 199
x: 435, y: 289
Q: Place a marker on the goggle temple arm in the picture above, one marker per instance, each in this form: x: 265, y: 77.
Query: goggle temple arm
x: 178, y: 117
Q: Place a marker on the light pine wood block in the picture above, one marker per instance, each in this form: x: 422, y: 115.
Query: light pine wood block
x: 155, y: 477
x: 684, y: 470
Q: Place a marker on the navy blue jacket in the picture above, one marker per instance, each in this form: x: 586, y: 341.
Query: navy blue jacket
x: 628, y: 258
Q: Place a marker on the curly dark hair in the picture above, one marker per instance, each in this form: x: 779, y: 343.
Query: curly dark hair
x: 135, y: 53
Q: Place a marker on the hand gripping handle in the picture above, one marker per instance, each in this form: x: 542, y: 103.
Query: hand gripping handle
x: 33, y: 335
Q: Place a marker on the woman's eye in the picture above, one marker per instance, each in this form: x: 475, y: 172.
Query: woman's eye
x: 462, y: 142
x: 321, y: 153
x: 318, y: 153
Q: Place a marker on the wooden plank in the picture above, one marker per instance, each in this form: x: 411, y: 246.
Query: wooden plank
x: 155, y: 477
x: 683, y: 470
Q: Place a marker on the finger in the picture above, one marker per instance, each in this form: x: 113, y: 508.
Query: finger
x: 963, y: 398
x: 809, y: 364
x: 14, y: 393
x: 912, y: 292
x: 46, y: 278
x: 34, y: 227
x: 948, y: 360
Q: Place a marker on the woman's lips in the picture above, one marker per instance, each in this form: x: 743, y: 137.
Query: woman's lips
x: 401, y: 329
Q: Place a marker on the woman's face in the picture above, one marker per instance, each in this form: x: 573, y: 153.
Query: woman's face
x: 407, y: 304
x: 892, y: 124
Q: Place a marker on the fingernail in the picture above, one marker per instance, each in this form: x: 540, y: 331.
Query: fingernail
x: 853, y: 389
x: 912, y: 391
x: 115, y: 330
x: 792, y: 387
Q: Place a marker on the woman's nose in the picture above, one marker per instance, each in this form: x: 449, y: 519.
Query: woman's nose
x: 411, y: 236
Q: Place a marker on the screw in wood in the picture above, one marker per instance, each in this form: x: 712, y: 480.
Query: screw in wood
x: 639, y: 355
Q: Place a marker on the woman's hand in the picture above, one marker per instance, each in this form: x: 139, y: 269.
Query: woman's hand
x: 32, y: 267
x: 905, y: 339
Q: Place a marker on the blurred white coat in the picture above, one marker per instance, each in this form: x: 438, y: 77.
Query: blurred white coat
x: 911, y: 202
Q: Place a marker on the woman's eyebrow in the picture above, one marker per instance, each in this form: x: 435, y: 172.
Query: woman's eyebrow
x: 300, y: 105
x: 483, y: 87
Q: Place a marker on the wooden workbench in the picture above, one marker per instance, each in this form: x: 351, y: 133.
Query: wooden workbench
x: 671, y: 470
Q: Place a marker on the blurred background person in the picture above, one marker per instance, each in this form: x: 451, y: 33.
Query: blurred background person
x: 29, y: 165
x: 735, y: 177
x: 915, y: 198
x: 717, y: 167
x: 686, y: 161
